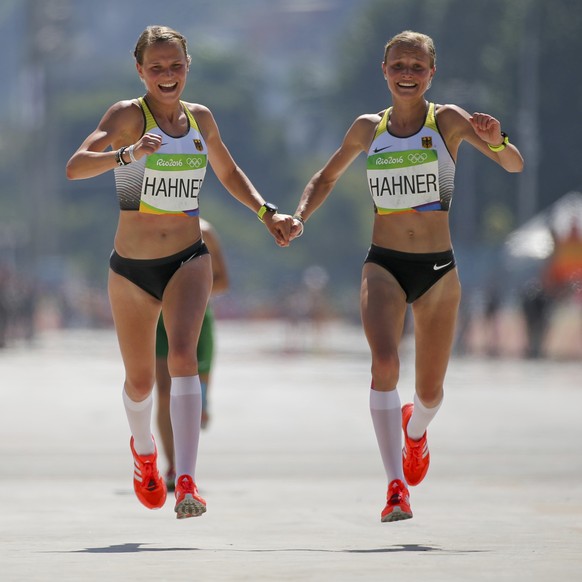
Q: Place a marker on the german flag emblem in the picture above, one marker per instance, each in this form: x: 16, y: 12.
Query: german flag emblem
x: 198, y: 144
x: 427, y: 142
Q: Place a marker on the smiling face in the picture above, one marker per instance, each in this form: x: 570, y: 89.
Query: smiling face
x: 408, y: 67
x: 164, y: 69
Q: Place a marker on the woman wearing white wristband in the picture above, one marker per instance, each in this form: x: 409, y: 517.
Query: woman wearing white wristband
x: 161, y: 147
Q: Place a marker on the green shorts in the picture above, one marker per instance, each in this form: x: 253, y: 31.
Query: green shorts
x: 205, y: 351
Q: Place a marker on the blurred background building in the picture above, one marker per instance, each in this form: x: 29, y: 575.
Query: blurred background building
x: 285, y: 79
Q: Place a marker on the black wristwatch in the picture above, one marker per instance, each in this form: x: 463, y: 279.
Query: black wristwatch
x: 266, y: 207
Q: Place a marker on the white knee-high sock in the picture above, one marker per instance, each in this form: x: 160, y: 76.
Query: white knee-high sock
x: 420, y: 419
x: 185, y: 413
x: 139, y: 416
x: 387, y: 419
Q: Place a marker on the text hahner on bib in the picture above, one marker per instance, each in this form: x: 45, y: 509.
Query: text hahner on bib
x: 171, y: 183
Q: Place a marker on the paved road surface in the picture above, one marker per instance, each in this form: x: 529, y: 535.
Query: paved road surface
x: 290, y: 470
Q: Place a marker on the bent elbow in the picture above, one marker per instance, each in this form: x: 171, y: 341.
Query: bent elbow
x: 514, y: 166
x: 70, y: 171
x: 518, y: 168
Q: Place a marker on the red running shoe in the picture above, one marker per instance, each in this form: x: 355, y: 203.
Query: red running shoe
x: 188, y: 502
x: 415, y: 454
x: 147, y: 482
x: 397, y: 502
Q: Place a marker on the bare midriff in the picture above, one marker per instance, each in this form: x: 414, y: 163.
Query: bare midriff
x: 153, y: 236
x: 413, y: 232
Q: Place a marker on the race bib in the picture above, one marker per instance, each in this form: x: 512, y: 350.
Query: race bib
x: 171, y: 183
x: 400, y: 181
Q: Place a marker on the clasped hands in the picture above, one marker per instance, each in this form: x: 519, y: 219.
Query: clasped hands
x: 283, y: 227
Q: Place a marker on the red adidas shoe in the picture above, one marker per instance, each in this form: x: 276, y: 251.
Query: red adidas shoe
x: 397, y: 502
x: 415, y: 454
x: 188, y: 501
x: 147, y: 482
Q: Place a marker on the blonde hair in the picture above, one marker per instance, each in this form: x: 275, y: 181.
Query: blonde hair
x: 412, y: 38
x: 154, y: 34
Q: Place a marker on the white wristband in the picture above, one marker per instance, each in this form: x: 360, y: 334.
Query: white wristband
x: 130, y: 152
x: 300, y: 221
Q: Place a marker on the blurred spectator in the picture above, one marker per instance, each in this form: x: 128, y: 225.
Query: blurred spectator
x: 563, y: 275
x: 18, y: 300
x: 492, y: 308
x: 535, y: 304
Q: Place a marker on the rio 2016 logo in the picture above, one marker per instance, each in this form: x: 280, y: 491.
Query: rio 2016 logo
x: 389, y: 161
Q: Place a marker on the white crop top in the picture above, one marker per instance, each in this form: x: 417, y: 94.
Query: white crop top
x: 169, y: 181
x: 410, y: 174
